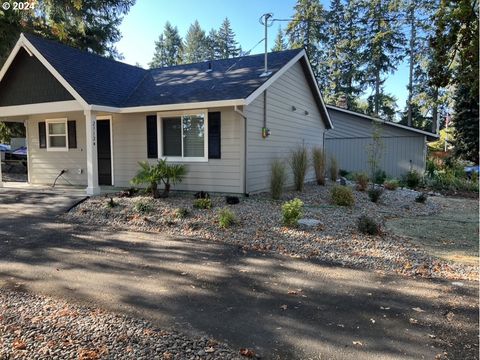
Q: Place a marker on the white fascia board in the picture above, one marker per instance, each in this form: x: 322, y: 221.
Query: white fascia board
x: 29, y: 47
x: 169, y: 107
x: 386, y: 122
x: 40, y: 108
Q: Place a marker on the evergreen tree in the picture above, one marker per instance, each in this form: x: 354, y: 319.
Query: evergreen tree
x: 306, y: 30
x: 387, y: 105
x: 212, y: 49
x: 227, y: 45
x: 279, y: 44
x: 383, y: 44
x: 168, y: 48
x: 195, y: 47
x: 88, y: 25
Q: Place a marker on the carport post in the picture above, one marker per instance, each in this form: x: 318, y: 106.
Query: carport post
x: 92, y: 156
x: 1, y: 179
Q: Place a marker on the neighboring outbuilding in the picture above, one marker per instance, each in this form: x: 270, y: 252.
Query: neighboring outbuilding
x: 93, y: 119
x: 404, y: 148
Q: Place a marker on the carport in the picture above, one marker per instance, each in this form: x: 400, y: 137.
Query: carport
x: 19, y: 120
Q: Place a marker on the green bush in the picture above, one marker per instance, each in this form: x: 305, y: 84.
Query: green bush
x: 380, y: 176
x: 181, y: 213
x: 292, y: 212
x: 277, y: 179
x: 367, y: 225
x: 362, y: 181
x: 342, y: 196
x: 299, y: 165
x: 391, y: 184
x: 445, y: 180
x: 375, y: 193
x: 412, y: 179
x: 333, y: 169
x: 343, y: 173
x: 143, y: 206
x: 421, y: 198
x: 226, y: 218
x: 202, y: 203
x: 318, y: 158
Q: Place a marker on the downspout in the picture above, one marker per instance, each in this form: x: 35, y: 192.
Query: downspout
x: 235, y: 108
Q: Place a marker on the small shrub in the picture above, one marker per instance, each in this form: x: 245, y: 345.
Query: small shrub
x: 202, y: 195
x: 318, y: 157
x: 232, y: 200
x: 351, y: 176
x: 292, y: 212
x: 412, y: 179
x: 391, y: 184
x: 204, y: 203
x: 375, y: 194
x: 181, y: 213
x: 362, y: 181
x: 143, y: 207
x: 367, y: 225
x: 380, y: 176
x: 299, y: 165
x: 277, y: 179
x: 333, y: 169
x: 111, y: 203
x: 421, y: 198
x: 342, y: 196
x: 343, y: 173
x: 226, y: 218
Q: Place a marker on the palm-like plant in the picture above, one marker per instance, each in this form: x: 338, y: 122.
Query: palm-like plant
x: 150, y: 174
x: 171, y: 174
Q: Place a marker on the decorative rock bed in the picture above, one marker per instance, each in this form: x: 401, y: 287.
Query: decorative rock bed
x: 335, y: 239
x: 38, y: 327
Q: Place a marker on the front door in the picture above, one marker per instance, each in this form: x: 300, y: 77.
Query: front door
x: 104, y: 151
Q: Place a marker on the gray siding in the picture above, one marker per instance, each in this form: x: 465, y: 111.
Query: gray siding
x: 349, y: 140
x: 216, y: 175
x: 289, y: 129
x: 44, y: 166
x: 27, y: 81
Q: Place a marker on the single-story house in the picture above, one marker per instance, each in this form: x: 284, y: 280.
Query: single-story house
x: 404, y: 148
x: 94, y: 118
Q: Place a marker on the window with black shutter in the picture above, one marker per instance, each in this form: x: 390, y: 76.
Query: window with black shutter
x: 42, y: 135
x: 72, y: 134
x: 214, y: 135
x: 152, y: 141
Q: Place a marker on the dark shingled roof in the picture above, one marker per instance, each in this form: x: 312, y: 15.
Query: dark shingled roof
x: 102, y: 81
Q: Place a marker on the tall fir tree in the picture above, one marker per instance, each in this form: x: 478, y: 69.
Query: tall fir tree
x: 195, y: 47
x: 307, y: 30
x: 212, y: 45
x: 279, y: 44
x: 168, y: 48
x: 227, y: 45
x: 383, y: 45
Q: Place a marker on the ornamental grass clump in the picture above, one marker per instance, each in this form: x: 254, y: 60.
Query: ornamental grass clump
x: 292, y: 212
x: 333, y: 169
x: 181, y: 213
x: 342, y: 196
x: 143, y: 206
x: 226, y: 218
x: 204, y: 203
x: 375, y: 193
x: 362, y: 181
x: 391, y: 184
x: 277, y: 179
x: 299, y: 165
x: 367, y: 225
x: 318, y: 158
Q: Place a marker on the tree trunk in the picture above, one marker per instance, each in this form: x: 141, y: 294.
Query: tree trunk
x: 412, y: 59
x: 377, y: 92
x: 154, y: 189
x: 435, y: 112
x: 166, y: 190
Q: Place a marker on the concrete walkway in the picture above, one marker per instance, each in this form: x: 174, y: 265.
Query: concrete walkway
x: 283, y: 308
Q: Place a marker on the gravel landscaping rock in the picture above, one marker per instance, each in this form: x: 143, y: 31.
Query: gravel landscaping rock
x: 38, y: 327
x: 259, y: 227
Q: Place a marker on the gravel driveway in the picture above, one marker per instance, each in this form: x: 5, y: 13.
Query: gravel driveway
x: 283, y: 308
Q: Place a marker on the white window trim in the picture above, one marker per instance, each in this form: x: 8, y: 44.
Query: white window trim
x: 165, y: 114
x: 47, y: 132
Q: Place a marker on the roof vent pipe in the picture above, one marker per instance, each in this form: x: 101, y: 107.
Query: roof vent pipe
x: 209, y: 69
x: 264, y: 21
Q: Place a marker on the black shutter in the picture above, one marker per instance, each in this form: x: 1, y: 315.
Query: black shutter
x: 152, y: 140
x: 214, y: 135
x: 42, y: 135
x: 72, y: 134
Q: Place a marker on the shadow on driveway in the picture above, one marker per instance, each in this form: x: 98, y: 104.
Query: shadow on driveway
x: 284, y: 308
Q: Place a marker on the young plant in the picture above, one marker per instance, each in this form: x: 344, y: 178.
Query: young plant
x: 202, y: 203
x: 367, y: 225
x: 421, y: 198
x: 362, y: 181
x: 292, y: 212
x: 226, y: 218
x: 181, y: 213
x: 342, y: 196
x: 171, y: 174
x: 111, y: 203
x: 150, y: 174
x: 374, y: 152
x: 333, y: 169
x: 299, y: 165
x: 374, y: 193
x: 318, y: 157
x: 143, y: 207
x: 412, y: 179
x: 277, y: 179
x: 391, y: 184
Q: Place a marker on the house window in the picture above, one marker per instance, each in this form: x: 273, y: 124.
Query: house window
x: 57, y: 138
x: 183, y: 137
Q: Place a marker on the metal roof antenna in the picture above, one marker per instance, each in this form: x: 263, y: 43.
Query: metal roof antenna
x: 264, y: 21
